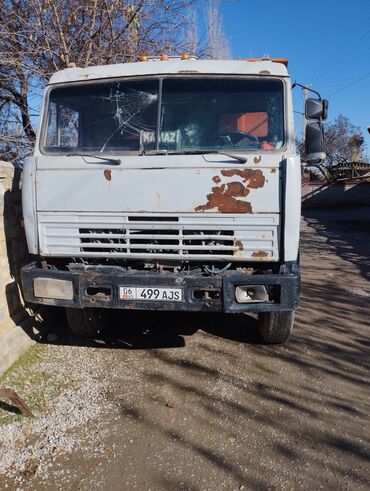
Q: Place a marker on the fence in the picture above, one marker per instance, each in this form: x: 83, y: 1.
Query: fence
x: 14, y: 317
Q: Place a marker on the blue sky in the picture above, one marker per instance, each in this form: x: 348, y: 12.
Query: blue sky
x: 327, y: 43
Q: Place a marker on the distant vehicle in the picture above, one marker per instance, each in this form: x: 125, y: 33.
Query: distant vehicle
x: 168, y: 184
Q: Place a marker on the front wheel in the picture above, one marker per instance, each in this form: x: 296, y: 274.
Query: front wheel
x: 275, y: 327
x: 86, y: 323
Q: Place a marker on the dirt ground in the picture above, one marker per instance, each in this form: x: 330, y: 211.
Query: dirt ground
x: 197, y: 402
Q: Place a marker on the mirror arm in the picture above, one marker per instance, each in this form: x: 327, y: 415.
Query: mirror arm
x: 296, y: 84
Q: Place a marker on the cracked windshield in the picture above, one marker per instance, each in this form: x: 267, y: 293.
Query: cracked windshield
x: 175, y: 115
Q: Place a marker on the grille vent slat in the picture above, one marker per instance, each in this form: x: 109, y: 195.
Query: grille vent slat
x: 152, y: 238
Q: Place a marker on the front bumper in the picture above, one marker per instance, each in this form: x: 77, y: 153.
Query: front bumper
x: 98, y: 286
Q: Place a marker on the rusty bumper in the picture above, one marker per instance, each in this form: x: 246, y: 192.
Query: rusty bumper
x: 98, y: 286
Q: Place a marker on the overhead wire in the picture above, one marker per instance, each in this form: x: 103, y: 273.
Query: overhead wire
x: 352, y: 35
x: 358, y: 79
x: 341, y: 57
x: 332, y: 76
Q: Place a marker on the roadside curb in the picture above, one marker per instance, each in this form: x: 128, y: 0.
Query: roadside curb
x: 14, y: 343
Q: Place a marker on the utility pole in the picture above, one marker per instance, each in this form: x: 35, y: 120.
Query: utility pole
x: 305, y: 95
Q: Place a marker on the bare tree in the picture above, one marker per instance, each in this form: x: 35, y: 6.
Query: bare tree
x: 193, y: 32
x: 345, y: 151
x: 344, y: 142
x: 217, y: 44
x: 38, y: 37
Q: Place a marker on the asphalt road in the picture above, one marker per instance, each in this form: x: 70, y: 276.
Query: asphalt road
x: 198, y: 403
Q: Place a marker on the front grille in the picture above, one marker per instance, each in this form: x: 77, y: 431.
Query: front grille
x: 215, y: 237
x: 144, y: 241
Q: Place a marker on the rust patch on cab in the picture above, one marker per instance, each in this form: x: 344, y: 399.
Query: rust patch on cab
x: 273, y: 170
x: 239, y: 244
x: 257, y: 160
x: 108, y: 174
x: 224, y: 199
x: 259, y: 254
x: 255, y: 178
x: 235, y: 189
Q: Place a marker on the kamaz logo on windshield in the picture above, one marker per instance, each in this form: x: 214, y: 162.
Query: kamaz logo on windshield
x: 166, y: 136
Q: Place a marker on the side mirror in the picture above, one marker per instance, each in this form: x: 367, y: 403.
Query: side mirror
x: 314, y: 143
x: 316, y: 109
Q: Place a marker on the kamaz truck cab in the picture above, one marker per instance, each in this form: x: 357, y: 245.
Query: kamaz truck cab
x: 167, y: 184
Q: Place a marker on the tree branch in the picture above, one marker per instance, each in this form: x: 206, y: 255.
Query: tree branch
x: 90, y: 42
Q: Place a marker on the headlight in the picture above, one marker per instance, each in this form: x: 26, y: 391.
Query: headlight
x: 51, y: 288
x: 251, y: 293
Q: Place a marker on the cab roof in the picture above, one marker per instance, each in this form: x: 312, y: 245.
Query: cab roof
x: 170, y: 67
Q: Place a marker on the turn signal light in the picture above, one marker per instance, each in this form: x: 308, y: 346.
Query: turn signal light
x: 284, y: 61
x: 185, y: 56
x: 143, y: 58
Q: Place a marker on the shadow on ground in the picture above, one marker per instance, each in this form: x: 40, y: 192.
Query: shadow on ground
x: 151, y: 330
x: 346, y: 232
x: 205, y: 406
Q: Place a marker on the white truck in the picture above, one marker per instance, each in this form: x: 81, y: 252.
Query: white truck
x: 171, y: 184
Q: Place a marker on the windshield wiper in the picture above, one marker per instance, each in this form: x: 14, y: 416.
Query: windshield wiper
x: 241, y: 159
x: 86, y: 155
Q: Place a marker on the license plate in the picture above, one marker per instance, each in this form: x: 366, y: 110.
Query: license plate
x: 150, y: 294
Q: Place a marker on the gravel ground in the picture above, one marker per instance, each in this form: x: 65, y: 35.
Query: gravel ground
x: 73, y: 392
x: 169, y: 401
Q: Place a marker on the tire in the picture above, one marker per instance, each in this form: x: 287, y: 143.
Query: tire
x: 275, y: 327
x: 86, y: 323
